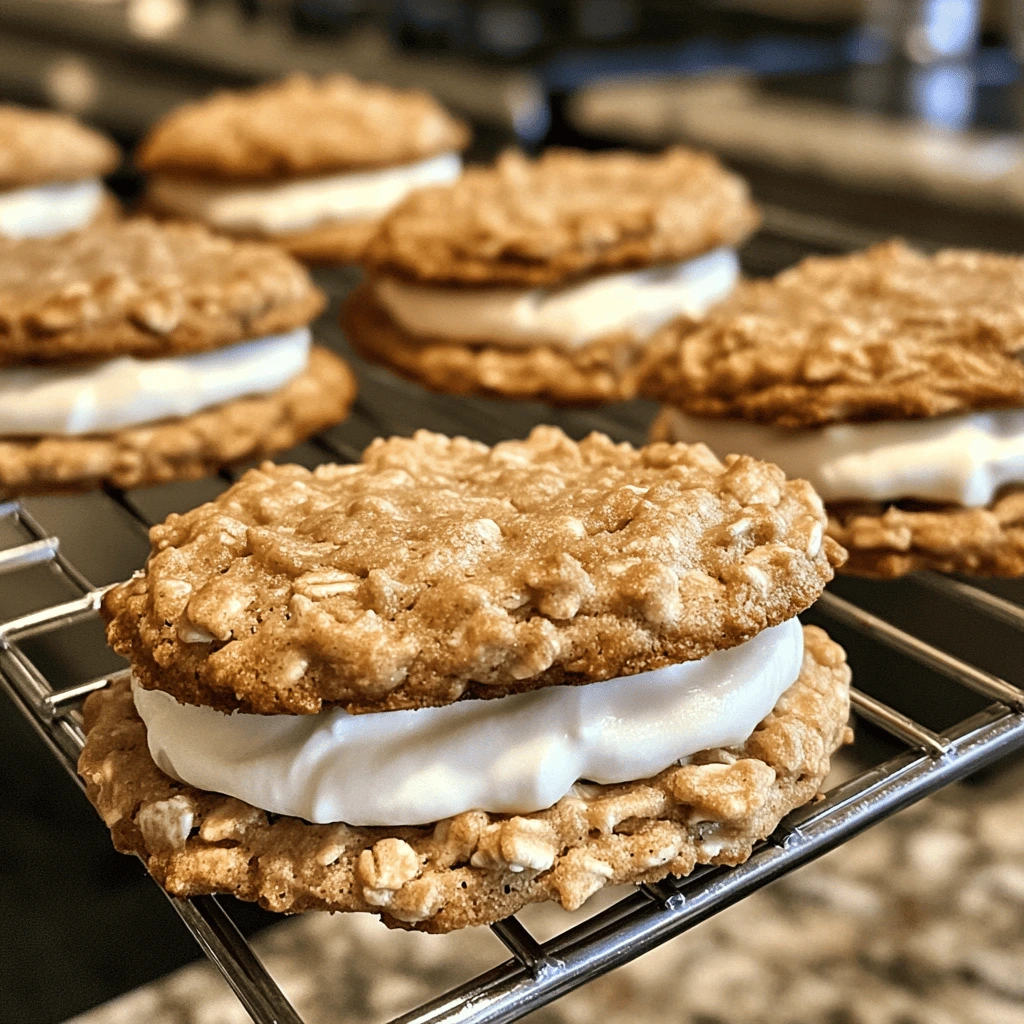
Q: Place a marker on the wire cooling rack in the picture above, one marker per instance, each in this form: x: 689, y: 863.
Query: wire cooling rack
x: 905, y: 749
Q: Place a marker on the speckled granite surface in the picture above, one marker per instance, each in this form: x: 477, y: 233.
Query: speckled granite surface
x: 918, y: 921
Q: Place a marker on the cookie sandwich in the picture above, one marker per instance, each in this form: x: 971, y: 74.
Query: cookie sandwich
x: 312, y: 164
x: 134, y: 353
x: 545, y: 278
x: 51, y: 168
x: 452, y: 680
x: 892, y: 380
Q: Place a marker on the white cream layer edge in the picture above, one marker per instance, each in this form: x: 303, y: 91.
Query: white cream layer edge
x: 128, y: 392
x: 44, y: 210
x: 961, y: 459
x: 303, y: 203
x: 638, y: 302
x: 510, y: 755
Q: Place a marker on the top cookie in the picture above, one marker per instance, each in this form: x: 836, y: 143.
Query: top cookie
x: 567, y: 214
x: 299, y: 127
x: 140, y: 288
x: 882, y: 334
x: 38, y: 147
x: 440, y: 568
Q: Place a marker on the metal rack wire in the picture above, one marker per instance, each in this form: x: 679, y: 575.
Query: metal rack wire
x: 536, y: 972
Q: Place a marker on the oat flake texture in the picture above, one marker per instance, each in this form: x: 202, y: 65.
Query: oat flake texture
x: 300, y: 127
x: 439, y: 568
x: 140, y: 288
x: 568, y: 214
x: 887, y: 333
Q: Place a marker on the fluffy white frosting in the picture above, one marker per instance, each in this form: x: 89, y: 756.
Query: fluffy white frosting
x: 961, y: 459
x: 125, y: 392
x: 53, y: 209
x: 510, y: 755
x: 301, y: 203
x: 639, y: 302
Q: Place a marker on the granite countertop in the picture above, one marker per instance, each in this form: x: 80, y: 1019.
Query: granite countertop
x: 920, y: 920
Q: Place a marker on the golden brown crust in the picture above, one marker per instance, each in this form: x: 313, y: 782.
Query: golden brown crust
x: 888, y: 541
x: 146, y: 289
x: 596, y: 373
x: 881, y: 334
x: 474, y: 868
x: 562, y: 216
x: 439, y: 568
x: 246, y: 428
x: 299, y: 127
x: 38, y: 147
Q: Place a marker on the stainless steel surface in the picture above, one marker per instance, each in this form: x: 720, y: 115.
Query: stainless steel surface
x: 537, y: 973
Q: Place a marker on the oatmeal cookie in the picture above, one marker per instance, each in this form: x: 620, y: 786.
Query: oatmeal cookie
x: 191, y: 446
x: 140, y: 288
x: 438, y: 568
x: 38, y: 147
x: 300, y: 127
x: 475, y: 868
x: 592, y: 374
x: 565, y: 215
x: 887, y: 333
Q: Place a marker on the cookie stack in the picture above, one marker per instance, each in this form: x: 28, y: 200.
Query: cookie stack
x: 134, y: 353
x: 892, y: 380
x: 545, y: 278
x: 468, y: 678
x: 50, y: 170
x: 310, y: 164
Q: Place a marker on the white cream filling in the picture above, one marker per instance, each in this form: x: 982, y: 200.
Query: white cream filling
x: 126, y: 392
x: 638, y: 302
x: 509, y: 755
x: 961, y: 459
x: 53, y: 209
x: 302, y: 203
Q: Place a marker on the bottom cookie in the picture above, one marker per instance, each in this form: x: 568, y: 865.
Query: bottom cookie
x: 193, y: 446
x: 475, y: 868
x: 891, y: 541
x: 596, y: 373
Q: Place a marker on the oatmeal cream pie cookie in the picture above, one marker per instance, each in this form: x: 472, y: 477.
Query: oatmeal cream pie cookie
x: 544, y: 278
x: 50, y: 171
x: 133, y: 353
x: 630, y: 614
x: 893, y: 381
x: 311, y: 164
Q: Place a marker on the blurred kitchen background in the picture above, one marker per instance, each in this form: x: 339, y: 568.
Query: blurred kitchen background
x: 920, y: 99
x: 854, y: 120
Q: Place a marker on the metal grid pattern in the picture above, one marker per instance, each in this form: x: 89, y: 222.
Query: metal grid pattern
x: 925, y: 760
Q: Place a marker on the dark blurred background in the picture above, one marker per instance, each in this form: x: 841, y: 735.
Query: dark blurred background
x: 853, y: 120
